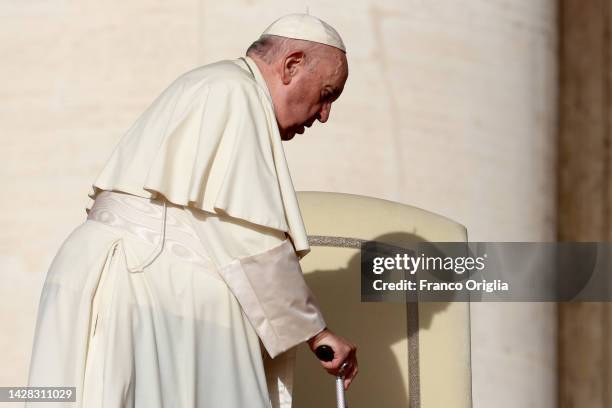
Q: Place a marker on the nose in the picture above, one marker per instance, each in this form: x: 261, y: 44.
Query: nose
x: 324, y: 112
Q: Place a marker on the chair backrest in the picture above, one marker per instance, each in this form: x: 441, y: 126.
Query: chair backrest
x: 410, y: 355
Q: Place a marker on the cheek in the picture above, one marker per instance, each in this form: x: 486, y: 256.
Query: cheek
x: 302, y: 103
x: 299, y: 109
x: 310, y: 105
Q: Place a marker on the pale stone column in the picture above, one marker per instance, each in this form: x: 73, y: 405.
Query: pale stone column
x: 585, y: 193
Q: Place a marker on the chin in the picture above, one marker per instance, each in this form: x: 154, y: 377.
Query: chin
x: 288, y: 136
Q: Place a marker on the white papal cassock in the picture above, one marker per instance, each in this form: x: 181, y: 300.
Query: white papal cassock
x: 187, y: 263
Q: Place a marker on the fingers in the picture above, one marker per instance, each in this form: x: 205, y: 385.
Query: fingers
x: 333, y: 367
x: 341, y: 354
x: 350, y: 376
x: 344, y: 351
x: 336, y: 365
x: 350, y: 358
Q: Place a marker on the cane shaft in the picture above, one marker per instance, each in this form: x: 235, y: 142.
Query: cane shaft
x: 341, y: 403
x: 326, y: 353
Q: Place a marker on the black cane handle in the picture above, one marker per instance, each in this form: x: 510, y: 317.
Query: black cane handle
x: 324, y: 353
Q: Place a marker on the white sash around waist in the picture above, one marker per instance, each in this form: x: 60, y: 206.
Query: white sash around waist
x: 161, y: 224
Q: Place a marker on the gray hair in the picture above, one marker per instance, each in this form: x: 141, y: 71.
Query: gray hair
x: 270, y: 47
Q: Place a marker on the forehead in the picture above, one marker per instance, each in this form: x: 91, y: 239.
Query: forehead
x: 332, y: 66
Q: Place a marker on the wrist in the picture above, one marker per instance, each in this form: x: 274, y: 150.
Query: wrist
x: 316, y: 337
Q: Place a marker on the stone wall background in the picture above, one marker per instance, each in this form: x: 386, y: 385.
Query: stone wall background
x: 450, y: 106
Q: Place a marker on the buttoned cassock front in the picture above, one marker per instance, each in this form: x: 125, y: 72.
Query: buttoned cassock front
x: 188, y: 258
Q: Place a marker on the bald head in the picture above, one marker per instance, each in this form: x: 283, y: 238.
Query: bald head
x: 304, y: 79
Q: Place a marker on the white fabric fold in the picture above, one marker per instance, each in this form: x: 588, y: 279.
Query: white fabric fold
x: 269, y: 285
x: 271, y: 289
x: 209, y: 144
x: 211, y: 141
x: 170, y: 336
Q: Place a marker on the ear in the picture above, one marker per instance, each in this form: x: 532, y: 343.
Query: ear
x: 291, y: 65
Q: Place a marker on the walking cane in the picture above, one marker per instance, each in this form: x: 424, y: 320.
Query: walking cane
x: 325, y: 353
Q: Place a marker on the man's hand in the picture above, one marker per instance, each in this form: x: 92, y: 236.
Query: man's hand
x: 344, y: 351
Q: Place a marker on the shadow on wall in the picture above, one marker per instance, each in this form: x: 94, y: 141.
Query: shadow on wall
x: 380, y: 331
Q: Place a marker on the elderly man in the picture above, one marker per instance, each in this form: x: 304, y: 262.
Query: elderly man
x: 188, y: 261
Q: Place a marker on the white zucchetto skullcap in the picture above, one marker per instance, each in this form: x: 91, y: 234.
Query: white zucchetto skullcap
x: 305, y: 27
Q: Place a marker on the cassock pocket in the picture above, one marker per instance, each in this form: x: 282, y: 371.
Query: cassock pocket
x: 102, y: 296
x: 93, y: 376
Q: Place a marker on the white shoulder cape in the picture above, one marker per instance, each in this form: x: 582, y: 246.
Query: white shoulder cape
x: 211, y: 141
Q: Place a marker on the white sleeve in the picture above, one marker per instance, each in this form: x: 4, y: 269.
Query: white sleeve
x: 262, y: 270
